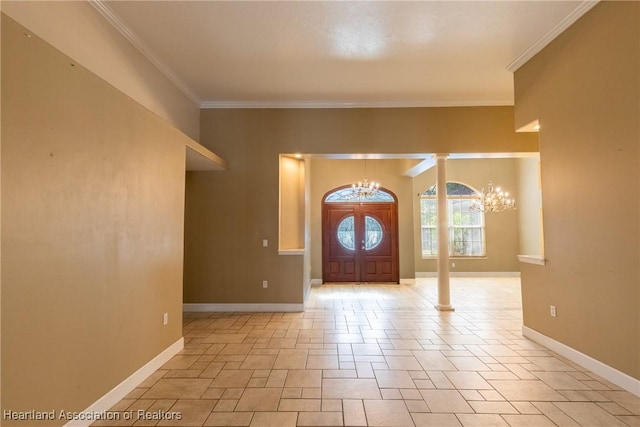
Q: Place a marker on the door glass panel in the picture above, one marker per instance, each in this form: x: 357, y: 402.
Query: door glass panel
x: 346, y: 234
x: 373, y: 233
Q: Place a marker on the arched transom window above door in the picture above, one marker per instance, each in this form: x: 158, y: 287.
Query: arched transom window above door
x: 345, y: 194
x: 466, y: 226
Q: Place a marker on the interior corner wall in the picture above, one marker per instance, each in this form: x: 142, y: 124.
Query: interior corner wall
x: 92, y: 231
x: 78, y: 30
x: 585, y: 91
x: 501, y: 228
x: 0, y: 215
x: 329, y: 174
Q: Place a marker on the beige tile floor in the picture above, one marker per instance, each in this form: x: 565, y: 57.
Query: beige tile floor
x: 378, y: 355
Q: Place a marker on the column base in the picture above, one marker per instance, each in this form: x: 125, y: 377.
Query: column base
x: 441, y: 307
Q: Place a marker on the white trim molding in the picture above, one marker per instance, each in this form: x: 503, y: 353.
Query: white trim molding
x: 550, y: 35
x: 470, y: 274
x: 114, y: 19
x: 291, y: 251
x: 354, y: 104
x: 630, y: 384
x: 116, y: 394
x: 407, y: 281
x: 239, y: 307
x: 316, y: 282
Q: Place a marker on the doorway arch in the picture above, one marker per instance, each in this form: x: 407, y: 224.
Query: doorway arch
x: 360, y: 237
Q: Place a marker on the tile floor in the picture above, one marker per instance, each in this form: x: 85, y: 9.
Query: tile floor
x: 377, y: 355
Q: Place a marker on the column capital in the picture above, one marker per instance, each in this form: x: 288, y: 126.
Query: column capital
x: 438, y: 156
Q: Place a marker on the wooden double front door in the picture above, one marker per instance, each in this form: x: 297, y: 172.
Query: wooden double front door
x: 360, y: 242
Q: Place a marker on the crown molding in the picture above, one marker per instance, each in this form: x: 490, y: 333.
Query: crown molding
x: 354, y: 104
x: 114, y: 19
x: 554, y: 32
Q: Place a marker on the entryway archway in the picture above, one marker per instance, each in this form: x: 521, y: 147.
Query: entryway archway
x: 360, y: 237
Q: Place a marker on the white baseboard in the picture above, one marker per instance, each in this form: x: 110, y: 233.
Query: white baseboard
x: 252, y: 308
x: 622, y: 380
x: 316, y: 282
x: 125, y: 387
x: 470, y: 274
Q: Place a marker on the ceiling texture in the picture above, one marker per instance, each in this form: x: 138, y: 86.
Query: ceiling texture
x: 235, y: 54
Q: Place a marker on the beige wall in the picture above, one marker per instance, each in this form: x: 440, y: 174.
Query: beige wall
x: 92, y: 218
x: 362, y: 130
x: 76, y: 29
x: 329, y: 174
x: 228, y: 214
x: 584, y: 88
x: 501, y: 228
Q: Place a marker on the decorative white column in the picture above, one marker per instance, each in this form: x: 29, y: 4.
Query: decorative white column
x: 444, y: 297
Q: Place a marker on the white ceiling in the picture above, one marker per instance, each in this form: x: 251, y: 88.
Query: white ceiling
x: 342, y: 53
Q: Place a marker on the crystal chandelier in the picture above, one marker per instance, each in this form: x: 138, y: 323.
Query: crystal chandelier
x: 364, y: 189
x: 493, y: 200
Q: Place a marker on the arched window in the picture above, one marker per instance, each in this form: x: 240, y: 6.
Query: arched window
x: 466, y: 226
x: 345, y: 194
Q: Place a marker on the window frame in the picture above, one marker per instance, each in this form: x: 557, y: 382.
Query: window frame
x: 452, y: 227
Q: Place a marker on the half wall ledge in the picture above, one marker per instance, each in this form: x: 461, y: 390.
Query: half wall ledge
x: 532, y: 259
x: 291, y: 251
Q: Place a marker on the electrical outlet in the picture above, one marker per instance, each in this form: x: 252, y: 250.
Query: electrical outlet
x: 265, y: 284
x: 265, y: 243
x: 553, y: 311
x: 165, y: 319
x: 453, y: 265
